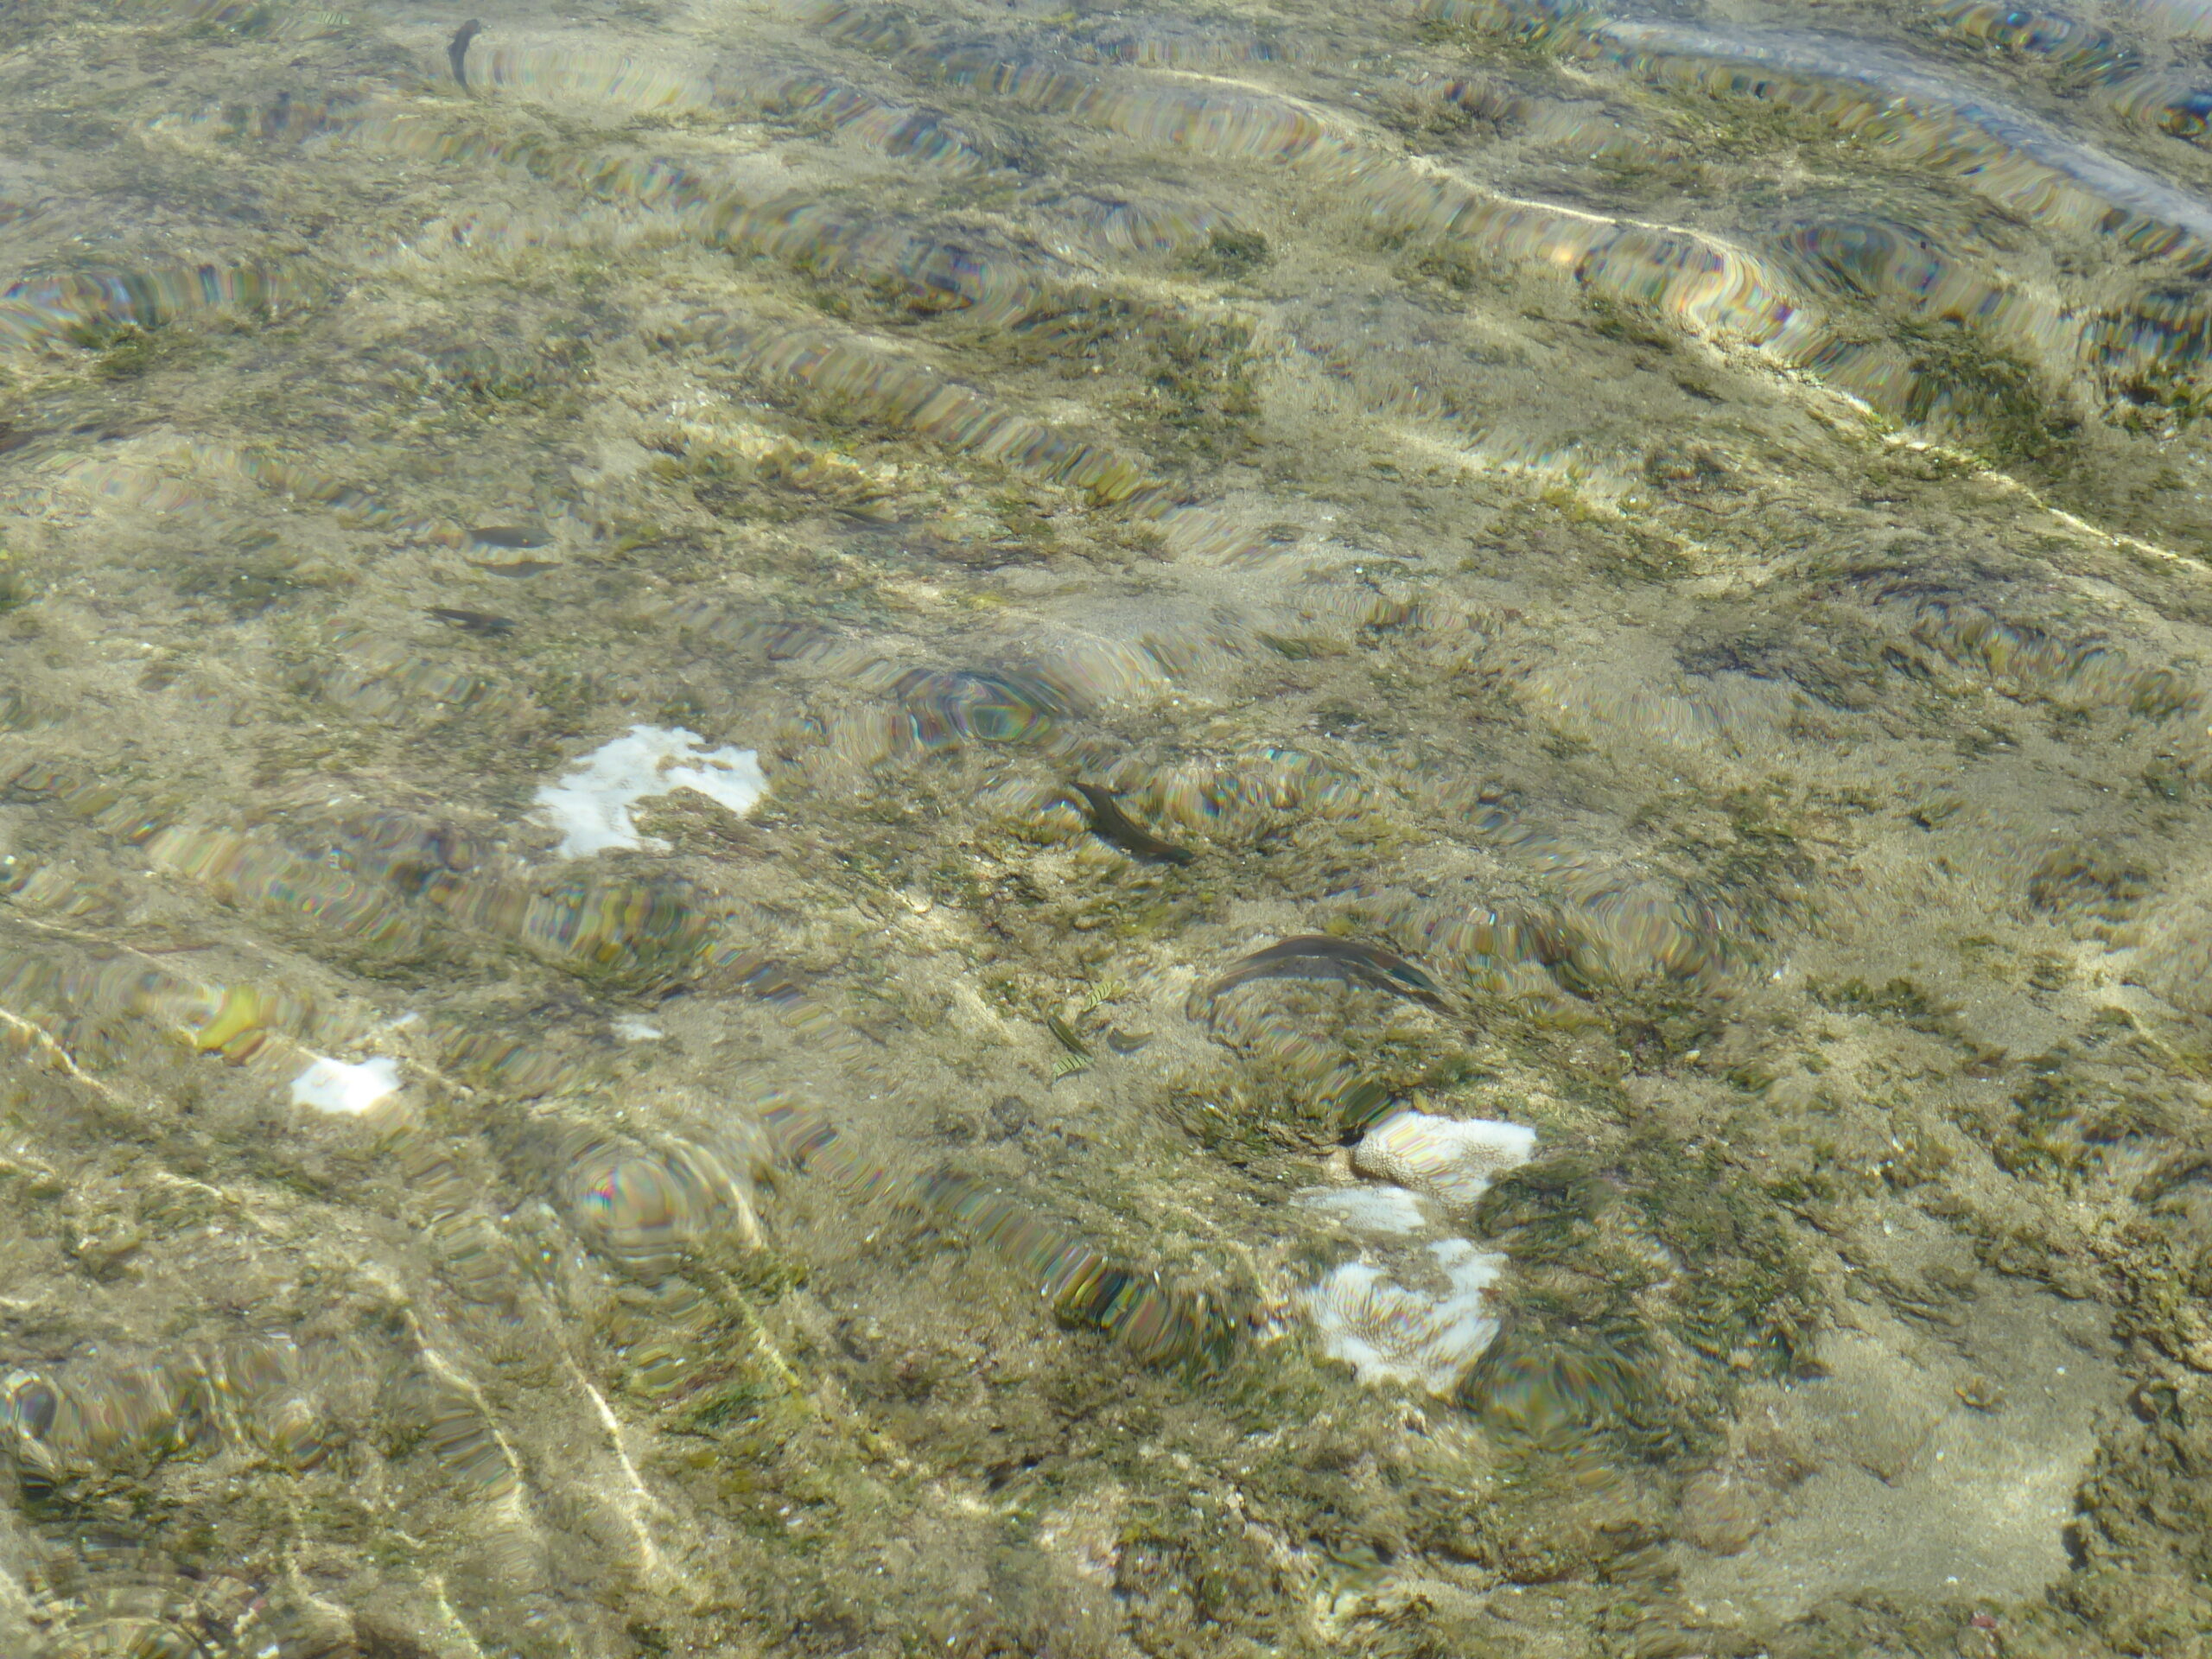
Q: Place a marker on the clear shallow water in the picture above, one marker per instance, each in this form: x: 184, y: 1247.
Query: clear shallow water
x: 994, y: 830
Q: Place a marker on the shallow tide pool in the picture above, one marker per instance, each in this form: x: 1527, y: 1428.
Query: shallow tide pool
x: 1001, y: 829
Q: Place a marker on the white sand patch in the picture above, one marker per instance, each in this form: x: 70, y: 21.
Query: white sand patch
x: 591, y: 807
x: 343, y: 1088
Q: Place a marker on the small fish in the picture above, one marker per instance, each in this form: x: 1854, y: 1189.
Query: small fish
x: 1319, y: 956
x: 457, y: 50
x: 1105, y: 991
x: 1068, y: 1040
x: 512, y: 567
x: 1108, y: 822
x: 477, y: 622
x: 508, y: 536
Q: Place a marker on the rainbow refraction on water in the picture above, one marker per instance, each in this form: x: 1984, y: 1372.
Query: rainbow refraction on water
x: 1013, y: 830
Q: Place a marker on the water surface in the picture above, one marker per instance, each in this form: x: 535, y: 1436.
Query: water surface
x: 997, y: 830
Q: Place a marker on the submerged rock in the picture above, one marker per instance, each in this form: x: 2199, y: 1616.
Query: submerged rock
x: 644, y: 1210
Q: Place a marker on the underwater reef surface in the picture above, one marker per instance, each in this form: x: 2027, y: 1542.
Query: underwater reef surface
x: 993, y: 829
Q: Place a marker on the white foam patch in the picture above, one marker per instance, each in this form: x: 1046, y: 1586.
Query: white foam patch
x: 1387, y: 1210
x: 1443, y: 1157
x: 636, y: 1031
x: 1391, y: 1334
x: 344, y: 1089
x: 591, y: 807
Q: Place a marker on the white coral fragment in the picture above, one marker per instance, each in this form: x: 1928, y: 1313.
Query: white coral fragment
x: 1450, y: 1160
x: 343, y: 1088
x: 591, y: 805
x: 1392, y: 1334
